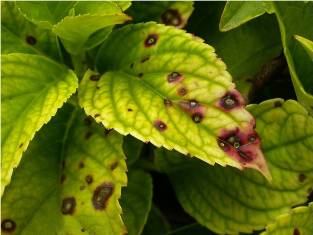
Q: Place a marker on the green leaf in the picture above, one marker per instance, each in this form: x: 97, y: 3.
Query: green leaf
x: 238, y: 13
x: 33, y: 87
x: 229, y: 201
x: 156, y: 223
x: 75, y: 22
x: 307, y: 45
x: 164, y: 86
x: 294, y: 19
x: 297, y: 221
x: 68, y: 182
x: 136, y: 201
x: 166, y: 12
x: 191, y: 229
x: 19, y: 35
x: 257, y: 43
x: 132, y: 149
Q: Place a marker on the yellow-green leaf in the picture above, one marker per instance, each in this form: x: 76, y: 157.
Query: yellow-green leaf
x: 33, y: 87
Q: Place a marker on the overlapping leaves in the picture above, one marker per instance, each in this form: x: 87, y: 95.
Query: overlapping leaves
x: 213, y: 194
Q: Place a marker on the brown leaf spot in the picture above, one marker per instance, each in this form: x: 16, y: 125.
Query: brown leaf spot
x: 296, y: 231
x: 129, y: 110
x: 94, y: 77
x: 21, y: 145
x: 89, y: 179
x: 88, y: 121
x: 174, y: 77
x: 81, y: 165
x: 151, y: 40
x: 97, y: 115
x: 145, y: 59
x: 171, y: 17
x: 101, y: 195
x: 140, y: 75
x: 277, y: 104
x: 8, y: 225
x: 182, y: 91
x: 82, y: 187
x: 63, y: 177
x: 31, y: 40
x: 197, y: 117
x: 68, y: 206
x: 161, y: 126
x: 167, y: 102
x: 107, y: 131
x: 302, y: 177
x: 229, y: 101
x: 113, y: 166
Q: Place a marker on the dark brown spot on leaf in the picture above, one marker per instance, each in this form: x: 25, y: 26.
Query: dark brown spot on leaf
x: 101, y: 195
x: 277, y: 104
x: 88, y: 121
x: 140, y: 75
x: 8, y: 225
x: 82, y: 230
x: 182, y: 91
x: 113, y: 166
x: 88, y: 135
x: 107, y: 131
x: 31, y: 40
x: 131, y: 65
x: 97, y: 115
x: 129, y: 110
x: 68, y: 206
x: 302, y: 177
x: 145, y: 59
x: 197, y: 117
x: 82, y: 187
x: 81, y: 165
x: 296, y: 231
x: 171, y: 17
x: 167, y: 103
x: 94, y: 77
x: 229, y: 101
x: 151, y: 40
x: 174, y: 77
x: 89, y: 179
x: 161, y: 126
x: 21, y: 145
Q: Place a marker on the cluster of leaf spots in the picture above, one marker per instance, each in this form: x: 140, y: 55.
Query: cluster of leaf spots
x: 196, y: 88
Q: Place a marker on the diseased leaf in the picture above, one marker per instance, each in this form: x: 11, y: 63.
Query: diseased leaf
x: 33, y: 87
x: 68, y: 182
x: 295, y: 18
x: 173, y: 13
x: 229, y: 201
x: 136, y: 201
x: 297, y: 221
x: 156, y: 223
x: 75, y: 22
x: 162, y: 85
x: 244, y: 49
x: 19, y: 35
x: 238, y: 13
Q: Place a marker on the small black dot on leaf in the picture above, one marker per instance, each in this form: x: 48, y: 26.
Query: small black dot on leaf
x: 302, y: 177
x: 31, y: 40
x: 94, y: 77
x: 277, y: 104
x: 167, y: 102
x: 88, y: 135
x: 197, y: 117
x: 89, y: 179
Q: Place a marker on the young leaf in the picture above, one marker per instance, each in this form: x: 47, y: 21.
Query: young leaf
x: 33, y: 87
x: 68, y: 182
x: 212, y: 194
x: 307, y: 45
x: 238, y: 13
x: 162, y: 85
x: 166, y: 12
x: 294, y: 19
x: 75, y: 22
x: 297, y: 221
x: 19, y: 35
x: 136, y: 201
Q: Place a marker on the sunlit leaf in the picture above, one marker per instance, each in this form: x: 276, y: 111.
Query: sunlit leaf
x: 307, y: 45
x: 33, y: 87
x: 68, y: 182
x: 162, y: 85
